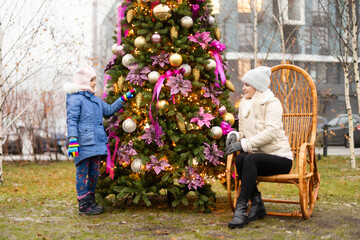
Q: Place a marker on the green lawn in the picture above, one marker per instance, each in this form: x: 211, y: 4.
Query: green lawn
x: 38, y: 201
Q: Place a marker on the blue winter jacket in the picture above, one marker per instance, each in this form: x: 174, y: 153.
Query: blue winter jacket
x: 85, y: 122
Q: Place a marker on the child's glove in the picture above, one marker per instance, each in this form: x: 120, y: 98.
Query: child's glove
x: 127, y: 95
x: 73, y: 149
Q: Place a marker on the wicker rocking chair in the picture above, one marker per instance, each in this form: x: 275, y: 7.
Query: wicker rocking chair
x: 297, y: 93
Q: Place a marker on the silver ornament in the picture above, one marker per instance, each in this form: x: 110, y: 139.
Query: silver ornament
x: 217, y: 132
x: 137, y: 165
x: 187, y: 68
x: 153, y: 77
x: 210, y: 65
x: 186, y: 22
x: 211, y: 20
x: 127, y: 60
x: 129, y: 125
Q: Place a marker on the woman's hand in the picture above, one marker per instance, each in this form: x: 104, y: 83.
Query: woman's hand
x: 234, y: 147
x: 230, y: 139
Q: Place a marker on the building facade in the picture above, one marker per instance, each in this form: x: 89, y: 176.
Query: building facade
x: 308, y: 39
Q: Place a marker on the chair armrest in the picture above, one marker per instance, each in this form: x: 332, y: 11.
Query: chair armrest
x: 305, y: 148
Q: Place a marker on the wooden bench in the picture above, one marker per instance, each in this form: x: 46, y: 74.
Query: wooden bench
x: 297, y: 93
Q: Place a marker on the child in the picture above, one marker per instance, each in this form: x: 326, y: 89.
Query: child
x: 262, y: 143
x: 87, y: 137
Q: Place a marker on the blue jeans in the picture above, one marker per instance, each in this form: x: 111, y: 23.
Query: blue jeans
x: 87, y: 173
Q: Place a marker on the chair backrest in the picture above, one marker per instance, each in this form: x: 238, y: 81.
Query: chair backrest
x: 296, y: 90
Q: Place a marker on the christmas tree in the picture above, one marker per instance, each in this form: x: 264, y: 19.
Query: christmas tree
x: 171, y: 137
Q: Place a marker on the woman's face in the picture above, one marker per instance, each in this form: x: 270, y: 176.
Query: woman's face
x: 93, y: 83
x: 248, y: 90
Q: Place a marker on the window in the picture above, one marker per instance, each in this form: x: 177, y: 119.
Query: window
x: 293, y: 11
x: 244, y: 6
x: 247, y: 37
x: 244, y: 66
x: 320, y: 7
x: 216, y: 6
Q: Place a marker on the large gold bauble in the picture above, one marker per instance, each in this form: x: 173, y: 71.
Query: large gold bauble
x: 163, y: 104
x: 162, y: 12
x: 175, y: 60
x: 139, y: 42
x: 228, y: 117
x: 217, y: 132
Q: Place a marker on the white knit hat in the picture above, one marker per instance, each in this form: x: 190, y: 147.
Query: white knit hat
x: 82, y: 77
x: 259, y: 78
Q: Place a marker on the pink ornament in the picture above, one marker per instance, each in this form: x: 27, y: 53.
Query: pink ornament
x: 221, y: 110
x: 156, y: 38
x: 120, y: 50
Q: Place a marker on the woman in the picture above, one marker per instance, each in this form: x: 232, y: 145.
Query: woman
x: 261, y: 140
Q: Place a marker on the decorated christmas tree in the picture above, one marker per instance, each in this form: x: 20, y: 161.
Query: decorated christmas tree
x: 171, y: 137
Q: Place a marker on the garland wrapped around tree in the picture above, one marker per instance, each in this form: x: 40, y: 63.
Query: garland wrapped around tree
x: 172, y: 136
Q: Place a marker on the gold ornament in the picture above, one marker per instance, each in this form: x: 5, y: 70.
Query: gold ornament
x: 139, y: 99
x: 181, y: 126
x: 139, y: 42
x: 162, y: 12
x: 130, y: 15
x: 120, y: 83
x: 228, y: 117
x: 229, y: 85
x: 217, y: 34
x: 196, y: 73
x: 173, y: 32
x: 175, y: 59
x: 116, y: 89
x: 163, y: 104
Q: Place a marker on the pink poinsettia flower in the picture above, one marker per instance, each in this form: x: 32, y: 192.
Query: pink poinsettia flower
x: 157, y: 165
x: 125, y: 151
x: 192, y: 179
x: 201, y: 38
x: 178, y: 84
x: 213, y: 153
x: 203, y: 118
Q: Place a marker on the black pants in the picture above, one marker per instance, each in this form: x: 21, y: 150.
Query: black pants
x: 251, y: 165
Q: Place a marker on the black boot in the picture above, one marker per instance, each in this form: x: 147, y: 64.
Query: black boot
x: 257, y: 210
x: 94, y: 204
x: 85, y: 207
x: 240, y: 218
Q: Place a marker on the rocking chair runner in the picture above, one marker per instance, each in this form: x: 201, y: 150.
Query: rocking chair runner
x: 297, y: 93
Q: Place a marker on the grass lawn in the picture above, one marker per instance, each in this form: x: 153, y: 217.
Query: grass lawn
x: 38, y: 201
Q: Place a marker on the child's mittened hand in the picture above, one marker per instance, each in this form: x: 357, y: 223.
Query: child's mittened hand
x: 74, y: 148
x: 127, y: 95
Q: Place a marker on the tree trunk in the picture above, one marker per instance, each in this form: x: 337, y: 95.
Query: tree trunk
x: 354, y: 48
x: 281, y: 28
x: 347, y: 89
x: 1, y: 109
x: 254, y: 9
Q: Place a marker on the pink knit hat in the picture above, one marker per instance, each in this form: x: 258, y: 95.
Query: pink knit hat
x: 82, y: 77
